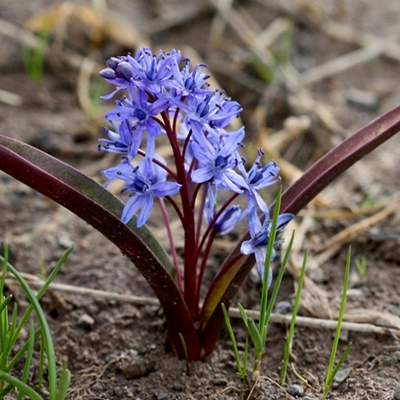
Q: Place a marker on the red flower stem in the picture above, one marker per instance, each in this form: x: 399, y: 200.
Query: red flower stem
x: 160, y: 164
x: 171, y: 243
x: 176, y: 208
x: 204, y: 261
x: 188, y: 221
x: 176, y: 120
x: 200, y: 217
x: 213, y: 221
x: 185, y: 145
x: 195, y: 191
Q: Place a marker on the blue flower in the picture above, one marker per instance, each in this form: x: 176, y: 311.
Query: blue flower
x: 258, y: 177
x: 229, y: 218
x: 143, y: 182
x: 145, y: 70
x: 141, y: 113
x: 193, y: 83
x: 152, y: 72
x: 260, y: 234
x: 120, y: 142
x: 205, y: 113
x: 216, y: 163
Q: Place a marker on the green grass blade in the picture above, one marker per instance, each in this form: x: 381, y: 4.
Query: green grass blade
x: 21, y: 351
x: 5, y: 302
x: 7, y: 390
x: 65, y: 380
x: 4, y: 340
x: 233, y: 340
x: 48, y: 341
x: 4, y: 269
x: 243, y: 315
x: 41, y: 364
x: 42, y: 291
x: 340, y: 363
x: 277, y: 285
x: 270, y: 248
x: 329, y: 373
x: 10, y: 331
x: 32, y: 394
x: 246, y: 356
x: 285, y: 360
x: 28, y: 361
x: 185, y: 351
x: 289, y: 340
x: 255, y: 336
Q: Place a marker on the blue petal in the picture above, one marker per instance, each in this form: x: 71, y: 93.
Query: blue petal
x: 132, y: 206
x: 158, y: 106
x: 147, y: 204
x: 283, y: 219
x: 260, y: 255
x: 247, y: 247
x: 201, y: 153
x: 254, y: 223
x: 201, y: 175
x: 162, y: 189
x: 119, y: 113
x: 229, y: 219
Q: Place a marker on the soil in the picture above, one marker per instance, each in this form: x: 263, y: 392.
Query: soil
x: 116, y: 349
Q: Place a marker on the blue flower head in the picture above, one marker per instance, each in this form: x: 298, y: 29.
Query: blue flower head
x: 260, y: 234
x: 259, y: 176
x: 217, y: 162
x: 228, y: 219
x: 146, y: 71
x: 164, y: 96
x: 142, y: 183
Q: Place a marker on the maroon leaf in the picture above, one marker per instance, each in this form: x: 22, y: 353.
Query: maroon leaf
x: 294, y: 199
x: 95, y: 205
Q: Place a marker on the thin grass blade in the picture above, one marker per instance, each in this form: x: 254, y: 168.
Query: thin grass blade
x: 65, y: 381
x: 29, y: 356
x: 24, y: 388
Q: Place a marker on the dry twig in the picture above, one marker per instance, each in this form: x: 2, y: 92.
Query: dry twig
x: 233, y: 312
x: 355, y: 229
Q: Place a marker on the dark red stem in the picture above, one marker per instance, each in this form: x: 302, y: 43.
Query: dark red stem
x: 188, y: 219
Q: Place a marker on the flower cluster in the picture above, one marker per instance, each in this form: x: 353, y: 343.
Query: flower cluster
x: 164, y: 96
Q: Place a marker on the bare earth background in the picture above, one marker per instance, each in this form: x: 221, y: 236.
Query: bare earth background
x: 268, y: 56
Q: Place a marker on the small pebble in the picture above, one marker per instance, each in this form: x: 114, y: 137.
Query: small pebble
x: 342, y: 374
x: 45, y: 393
x: 134, y: 368
x: 97, y: 386
x: 64, y: 241
x: 393, y: 360
x: 163, y: 396
x: 220, y: 382
x: 283, y: 307
x: 110, y: 357
x: 296, y: 390
x: 318, y: 275
x: 85, y: 321
x: 132, y: 353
